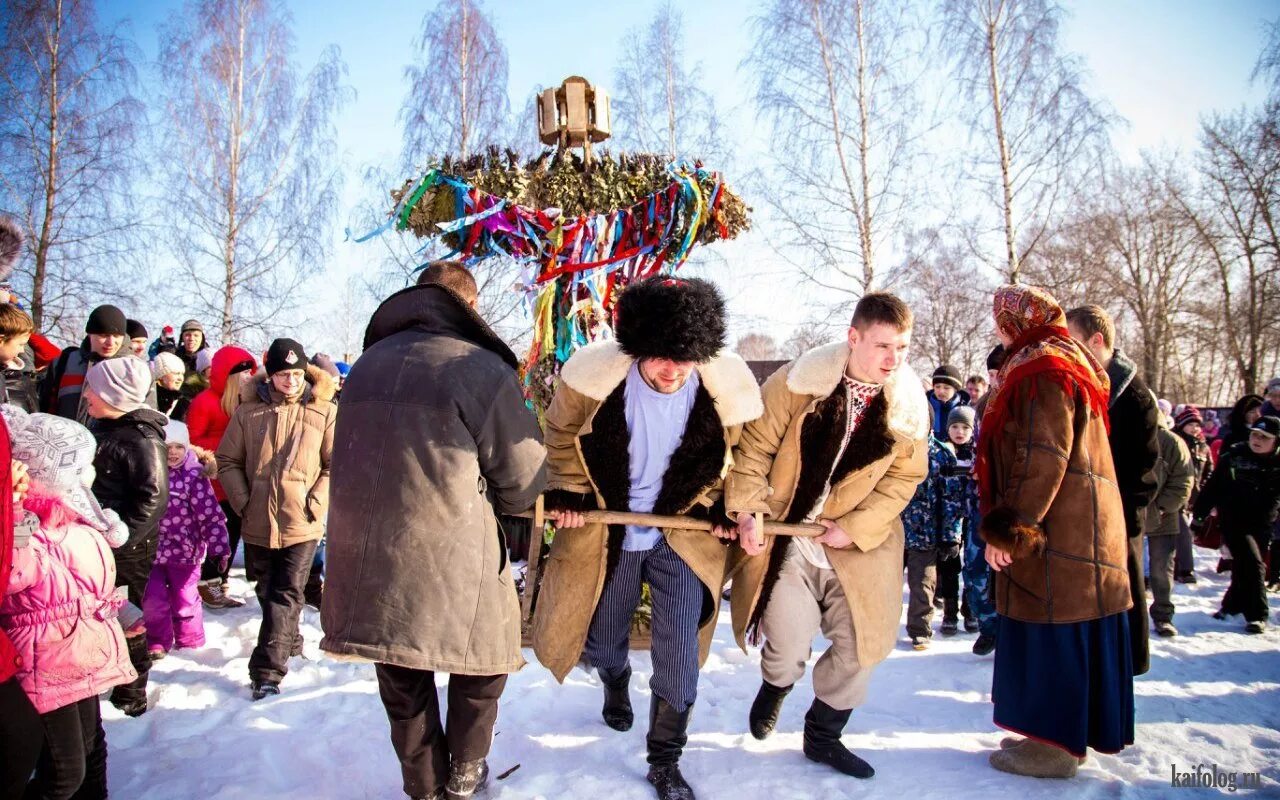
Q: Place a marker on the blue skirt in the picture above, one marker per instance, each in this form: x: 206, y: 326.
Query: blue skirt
x: 1069, y: 685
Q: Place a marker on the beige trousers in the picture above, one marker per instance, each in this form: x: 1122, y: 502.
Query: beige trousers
x: 807, y: 599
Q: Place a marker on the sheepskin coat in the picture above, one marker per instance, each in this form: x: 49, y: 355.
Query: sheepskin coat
x: 588, y: 468
x: 781, y: 468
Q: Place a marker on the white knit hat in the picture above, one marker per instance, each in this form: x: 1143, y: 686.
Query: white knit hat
x: 59, y: 457
x: 122, y: 383
x: 167, y: 364
x: 204, y: 359
x: 177, y: 433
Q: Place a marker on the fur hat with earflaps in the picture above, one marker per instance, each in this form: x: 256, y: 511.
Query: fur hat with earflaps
x: 10, y: 246
x: 677, y: 318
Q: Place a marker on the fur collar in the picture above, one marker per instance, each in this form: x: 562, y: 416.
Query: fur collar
x: 321, y: 384
x: 597, y: 369
x: 818, y: 373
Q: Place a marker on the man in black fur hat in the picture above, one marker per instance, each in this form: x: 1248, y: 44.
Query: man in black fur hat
x: 643, y: 423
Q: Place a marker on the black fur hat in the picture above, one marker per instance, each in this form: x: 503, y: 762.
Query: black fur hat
x: 10, y: 246
x: 677, y: 318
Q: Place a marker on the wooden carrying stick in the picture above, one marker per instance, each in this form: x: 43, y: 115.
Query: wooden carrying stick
x: 537, y: 514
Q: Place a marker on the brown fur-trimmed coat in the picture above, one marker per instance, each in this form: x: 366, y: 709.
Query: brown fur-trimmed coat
x: 781, y: 468
x: 1056, y: 509
x: 273, y: 461
x: 587, y: 444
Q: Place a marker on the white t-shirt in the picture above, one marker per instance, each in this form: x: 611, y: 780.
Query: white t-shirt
x: 656, y: 422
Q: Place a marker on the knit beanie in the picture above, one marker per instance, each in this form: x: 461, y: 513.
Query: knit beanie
x: 284, y: 354
x: 962, y: 415
x: 324, y: 362
x: 122, y: 383
x: 107, y: 321
x: 167, y: 364
x: 1189, y: 414
x: 177, y: 433
x: 191, y: 325
x: 949, y: 375
x: 995, y: 359
x: 204, y: 360
x: 134, y: 329
x: 59, y: 457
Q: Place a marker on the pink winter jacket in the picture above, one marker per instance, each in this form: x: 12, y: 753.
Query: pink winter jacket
x: 60, y: 610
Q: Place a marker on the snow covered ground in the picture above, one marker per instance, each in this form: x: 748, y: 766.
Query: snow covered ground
x: 1211, y: 698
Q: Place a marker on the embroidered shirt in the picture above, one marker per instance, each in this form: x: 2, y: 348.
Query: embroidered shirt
x: 860, y: 395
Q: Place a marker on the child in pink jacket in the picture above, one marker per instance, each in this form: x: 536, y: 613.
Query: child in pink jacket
x: 192, y: 523
x: 61, y: 604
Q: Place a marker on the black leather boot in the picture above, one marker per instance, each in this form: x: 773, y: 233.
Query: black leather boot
x: 668, y: 733
x: 822, y: 728
x: 466, y: 778
x: 617, y: 711
x: 766, y: 708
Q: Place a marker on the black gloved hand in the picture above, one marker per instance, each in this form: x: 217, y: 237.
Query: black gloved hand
x: 948, y: 550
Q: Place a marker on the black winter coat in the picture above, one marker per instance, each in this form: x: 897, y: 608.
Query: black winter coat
x: 1245, y: 488
x: 173, y: 403
x: 133, y: 473
x: 1135, y: 448
x: 20, y: 383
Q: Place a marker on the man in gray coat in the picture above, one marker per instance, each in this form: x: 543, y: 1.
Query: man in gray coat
x: 433, y: 441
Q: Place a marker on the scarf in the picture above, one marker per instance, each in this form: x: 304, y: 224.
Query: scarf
x: 1042, y: 349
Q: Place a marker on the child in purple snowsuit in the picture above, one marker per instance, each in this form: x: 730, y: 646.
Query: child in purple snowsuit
x: 193, y: 522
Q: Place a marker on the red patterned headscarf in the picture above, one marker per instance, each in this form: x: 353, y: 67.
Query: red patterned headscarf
x: 1041, y: 347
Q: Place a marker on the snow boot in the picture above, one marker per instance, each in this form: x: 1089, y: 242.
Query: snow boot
x: 466, y: 778
x: 766, y: 708
x: 668, y: 733
x: 1165, y: 629
x: 971, y: 625
x: 1185, y: 577
x: 130, y: 706
x: 214, y: 595
x: 1257, y: 626
x: 985, y: 643
x: 617, y: 711
x: 1035, y: 760
x: 950, y: 627
x: 920, y: 642
x: 263, y: 689
x: 1016, y: 741
x: 822, y: 728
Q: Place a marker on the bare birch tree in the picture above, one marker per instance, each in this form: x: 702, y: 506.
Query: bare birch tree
x: 951, y: 301
x: 1236, y: 218
x: 67, y: 138
x: 659, y: 104
x: 457, y: 101
x: 250, y: 179
x: 835, y: 81
x: 1036, y: 131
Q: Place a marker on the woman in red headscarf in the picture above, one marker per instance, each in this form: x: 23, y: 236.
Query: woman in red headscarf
x: 1054, y: 528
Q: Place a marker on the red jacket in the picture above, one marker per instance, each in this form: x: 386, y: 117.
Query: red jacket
x: 9, y: 660
x: 206, y: 420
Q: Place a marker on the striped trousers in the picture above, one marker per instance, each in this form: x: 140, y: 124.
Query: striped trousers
x: 677, y: 607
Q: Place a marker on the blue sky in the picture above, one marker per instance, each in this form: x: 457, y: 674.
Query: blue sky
x: 1161, y: 65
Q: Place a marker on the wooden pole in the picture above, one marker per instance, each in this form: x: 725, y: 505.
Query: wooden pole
x: 688, y: 523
